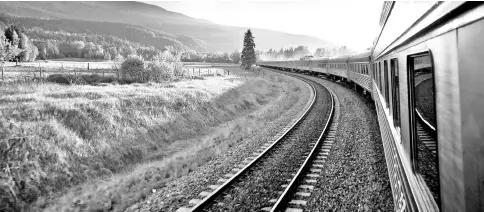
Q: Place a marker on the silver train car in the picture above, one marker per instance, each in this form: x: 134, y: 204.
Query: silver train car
x: 424, y: 74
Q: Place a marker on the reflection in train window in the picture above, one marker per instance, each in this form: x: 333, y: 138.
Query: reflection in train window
x: 379, y: 76
x: 385, y: 82
x: 395, y: 92
x: 423, y: 121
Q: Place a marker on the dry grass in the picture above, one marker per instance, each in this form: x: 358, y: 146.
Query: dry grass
x: 105, y: 148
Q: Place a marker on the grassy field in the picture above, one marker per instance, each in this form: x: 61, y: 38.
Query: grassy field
x: 82, y: 147
x: 29, y: 71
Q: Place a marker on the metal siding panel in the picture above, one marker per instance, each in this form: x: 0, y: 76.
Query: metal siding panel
x: 402, y: 194
x: 444, y: 51
x: 471, y: 82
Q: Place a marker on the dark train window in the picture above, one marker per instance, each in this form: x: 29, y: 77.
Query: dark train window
x: 374, y: 72
x: 379, y: 76
x: 385, y: 81
x: 395, y: 92
x: 422, y: 114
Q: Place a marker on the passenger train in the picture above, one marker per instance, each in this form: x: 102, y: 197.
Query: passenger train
x: 425, y: 75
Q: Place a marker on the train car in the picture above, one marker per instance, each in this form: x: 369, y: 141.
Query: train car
x: 424, y: 76
x: 429, y: 94
x: 359, y: 72
x: 318, y: 65
x: 338, y: 67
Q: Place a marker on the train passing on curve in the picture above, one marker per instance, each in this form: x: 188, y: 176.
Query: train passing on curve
x: 425, y: 75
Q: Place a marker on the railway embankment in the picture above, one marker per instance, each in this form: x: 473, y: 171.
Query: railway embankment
x: 81, y: 147
x: 355, y: 176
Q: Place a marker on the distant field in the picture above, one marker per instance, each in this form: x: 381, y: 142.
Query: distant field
x: 113, y: 144
x: 30, y: 70
x: 68, y: 64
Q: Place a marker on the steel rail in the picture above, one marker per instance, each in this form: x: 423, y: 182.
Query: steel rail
x: 282, y: 201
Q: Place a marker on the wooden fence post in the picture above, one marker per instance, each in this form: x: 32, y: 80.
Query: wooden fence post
x: 199, y: 72
x: 2, y: 73
x: 87, y: 66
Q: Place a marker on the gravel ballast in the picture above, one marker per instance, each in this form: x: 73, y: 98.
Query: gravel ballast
x: 355, y: 176
x: 180, y: 191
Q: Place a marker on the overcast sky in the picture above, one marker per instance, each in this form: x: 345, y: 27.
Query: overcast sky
x: 351, y: 23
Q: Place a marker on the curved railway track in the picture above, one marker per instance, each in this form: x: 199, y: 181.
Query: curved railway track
x: 274, y: 173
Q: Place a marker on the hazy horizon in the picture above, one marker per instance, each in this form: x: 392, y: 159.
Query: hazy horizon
x: 296, y: 17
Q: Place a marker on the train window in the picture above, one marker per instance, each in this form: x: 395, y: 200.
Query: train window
x: 374, y: 72
x: 395, y: 92
x: 379, y: 76
x: 385, y: 81
x: 423, y: 122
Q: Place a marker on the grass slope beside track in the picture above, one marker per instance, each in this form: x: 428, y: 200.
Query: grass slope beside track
x: 94, y: 148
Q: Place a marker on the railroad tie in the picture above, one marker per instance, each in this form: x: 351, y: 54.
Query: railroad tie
x: 313, y: 175
x: 310, y: 181
x: 303, y: 194
x: 266, y: 209
x: 315, y: 170
x: 204, y: 193
x: 298, y: 202
x: 222, y: 180
x: 194, y: 201
x: 318, y: 165
x: 310, y: 187
x: 294, y: 210
x: 214, y: 187
x: 183, y: 209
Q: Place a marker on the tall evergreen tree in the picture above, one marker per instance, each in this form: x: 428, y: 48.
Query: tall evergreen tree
x: 248, y: 52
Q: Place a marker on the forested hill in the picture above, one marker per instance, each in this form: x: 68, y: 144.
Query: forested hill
x: 129, y: 32
x: 196, y: 33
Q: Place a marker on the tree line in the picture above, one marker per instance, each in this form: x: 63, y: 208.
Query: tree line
x: 295, y: 53
x: 211, y: 57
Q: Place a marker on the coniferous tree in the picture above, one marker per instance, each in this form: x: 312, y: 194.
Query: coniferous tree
x: 248, y: 52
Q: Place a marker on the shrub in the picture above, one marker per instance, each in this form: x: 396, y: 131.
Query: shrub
x: 59, y: 78
x: 133, y: 69
x: 92, y: 79
x: 165, y: 67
